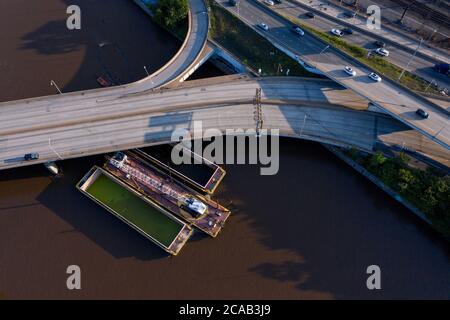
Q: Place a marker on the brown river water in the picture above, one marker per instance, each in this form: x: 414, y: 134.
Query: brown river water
x: 308, y: 232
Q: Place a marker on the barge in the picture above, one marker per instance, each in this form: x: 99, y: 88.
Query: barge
x: 202, y: 175
x: 145, y: 216
x: 194, y: 208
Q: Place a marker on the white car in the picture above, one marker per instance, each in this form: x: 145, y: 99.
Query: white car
x: 337, y: 32
x: 375, y: 77
x: 269, y: 2
x: 350, y: 71
x: 297, y: 30
x: 382, y: 52
x: 263, y: 26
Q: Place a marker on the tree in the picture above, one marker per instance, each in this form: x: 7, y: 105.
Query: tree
x: 406, y: 178
x: 377, y: 159
x: 170, y: 12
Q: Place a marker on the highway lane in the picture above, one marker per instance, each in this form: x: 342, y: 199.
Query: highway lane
x: 151, y: 117
x: 418, y: 65
x: 188, y: 55
x: 393, y: 99
x: 33, y: 114
x: 411, y: 41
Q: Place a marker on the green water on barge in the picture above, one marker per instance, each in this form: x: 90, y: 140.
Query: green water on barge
x: 135, y: 210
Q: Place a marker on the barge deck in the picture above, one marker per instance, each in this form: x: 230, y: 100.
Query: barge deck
x: 194, y: 208
x: 148, y: 218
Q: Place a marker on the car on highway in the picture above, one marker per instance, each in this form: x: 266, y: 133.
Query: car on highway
x: 350, y: 14
x: 422, y: 113
x: 31, y: 156
x: 269, y: 2
x: 347, y: 31
x: 263, y: 26
x: 310, y: 14
x: 380, y: 44
x: 298, y: 30
x: 443, y: 68
x: 350, y: 71
x: 337, y: 32
x: 382, y: 52
x: 375, y: 77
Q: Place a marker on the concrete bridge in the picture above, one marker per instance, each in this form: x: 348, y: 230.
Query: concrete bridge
x: 146, y: 112
x: 302, y: 108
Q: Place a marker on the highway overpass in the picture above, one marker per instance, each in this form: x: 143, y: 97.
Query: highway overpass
x: 393, y: 99
x: 302, y: 108
x: 146, y: 112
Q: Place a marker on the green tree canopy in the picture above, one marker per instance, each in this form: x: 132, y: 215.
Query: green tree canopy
x: 170, y: 12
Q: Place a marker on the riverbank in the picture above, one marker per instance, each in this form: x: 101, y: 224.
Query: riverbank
x: 425, y: 192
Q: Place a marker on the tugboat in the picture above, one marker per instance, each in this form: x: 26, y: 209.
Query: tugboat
x: 195, y: 207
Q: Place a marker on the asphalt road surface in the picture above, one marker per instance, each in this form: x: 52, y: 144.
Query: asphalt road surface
x: 393, y: 99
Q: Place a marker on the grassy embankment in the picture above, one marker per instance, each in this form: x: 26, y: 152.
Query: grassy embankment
x: 379, y: 64
x: 428, y: 190
x: 250, y: 47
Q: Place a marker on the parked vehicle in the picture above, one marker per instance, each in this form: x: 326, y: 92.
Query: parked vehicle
x: 310, y: 14
x: 350, y: 71
x: 375, y: 77
x: 337, y: 32
x: 232, y: 3
x: 263, y: 26
x: 350, y: 14
x: 278, y: 1
x: 298, y: 30
x: 422, y: 113
x: 269, y: 2
x: 382, y: 52
x: 103, y: 82
x: 31, y: 156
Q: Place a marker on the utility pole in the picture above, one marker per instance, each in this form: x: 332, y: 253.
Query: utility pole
x: 412, y: 57
x: 53, y: 83
x: 53, y: 150
x: 323, y: 50
x: 406, y: 10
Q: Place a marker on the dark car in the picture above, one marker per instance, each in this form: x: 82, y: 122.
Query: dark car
x: 350, y: 14
x: 422, y: 113
x: 278, y: 1
x: 310, y: 14
x: 347, y: 31
x: 232, y: 3
x: 31, y: 156
x: 380, y: 44
x: 443, y: 68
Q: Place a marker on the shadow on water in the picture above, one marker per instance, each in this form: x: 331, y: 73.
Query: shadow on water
x: 110, y: 44
x: 88, y: 218
x: 336, y: 224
